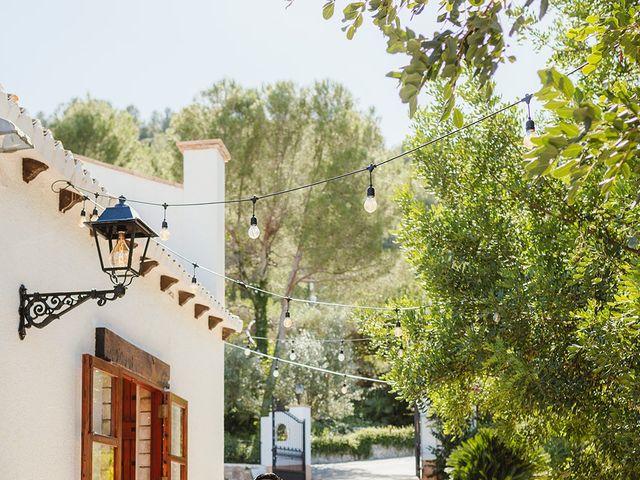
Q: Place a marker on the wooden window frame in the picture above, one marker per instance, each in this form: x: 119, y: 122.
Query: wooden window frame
x: 161, y: 399
x: 89, y: 363
x: 169, y: 400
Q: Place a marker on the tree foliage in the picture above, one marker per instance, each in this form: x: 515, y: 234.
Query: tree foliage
x: 98, y: 130
x: 485, y: 457
x: 470, y: 37
x: 281, y: 136
x: 534, y: 301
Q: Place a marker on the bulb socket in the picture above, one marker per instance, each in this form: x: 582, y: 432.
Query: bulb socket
x: 530, y: 126
x: 254, y: 220
x: 165, y: 225
x: 371, y: 192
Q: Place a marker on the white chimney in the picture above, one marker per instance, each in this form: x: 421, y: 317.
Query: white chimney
x: 204, y: 170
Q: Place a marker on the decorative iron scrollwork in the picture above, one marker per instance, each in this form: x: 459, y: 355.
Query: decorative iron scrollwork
x: 52, y: 306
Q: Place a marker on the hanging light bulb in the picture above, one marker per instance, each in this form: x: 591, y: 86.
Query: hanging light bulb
x: 398, y: 330
x: 276, y: 372
x: 292, y: 355
x: 401, y: 351
x: 94, y: 213
x: 247, y: 348
x: 341, y: 354
x: 344, y: 388
x: 165, y: 234
x: 254, y: 231
x: 194, y: 280
x: 530, y: 126
x: 83, y: 213
x: 120, y: 254
x: 370, y: 203
x: 288, y: 323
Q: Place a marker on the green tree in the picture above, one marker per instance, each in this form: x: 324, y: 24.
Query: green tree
x: 282, y: 136
x: 596, y: 126
x: 96, y: 129
x: 534, y: 302
x: 469, y: 38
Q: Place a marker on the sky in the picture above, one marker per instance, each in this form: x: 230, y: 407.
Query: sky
x: 155, y: 54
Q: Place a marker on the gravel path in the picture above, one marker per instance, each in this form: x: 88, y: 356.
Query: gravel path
x: 391, y: 468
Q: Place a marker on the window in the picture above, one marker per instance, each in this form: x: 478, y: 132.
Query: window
x: 100, y: 429
x: 131, y: 429
x: 176, y: 437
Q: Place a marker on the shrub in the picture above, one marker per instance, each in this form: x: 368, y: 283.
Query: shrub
x: 359, y: 443
x: 485, y: 456
x: 238, y: 450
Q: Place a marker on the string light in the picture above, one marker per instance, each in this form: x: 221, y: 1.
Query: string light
x: 288, y: 323
x: 526, y: 98
x: 308, y: 367
x: 292, y: 355
x: 247, y: 350
x: 530, y: 126
x: 401, y: 350
x: 254, y: 230
x: 244, y: 284
x: 83, y: 212
x: 194, y: 280
x: 165, y: 234
x: 322, y: 340
x: 370, y: 203
x: 276, y: 372
x: 341, y: 354
x: 344, y: 388
x: 94, y: 213
x: 398, y: 330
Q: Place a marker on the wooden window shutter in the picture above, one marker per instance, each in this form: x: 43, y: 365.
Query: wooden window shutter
x: 175, y: 414
x: 101, y: 420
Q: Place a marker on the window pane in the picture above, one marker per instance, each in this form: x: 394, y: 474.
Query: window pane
x: 176, y: 471
x: 177, y: 442
x: 102, y: 388
x: 143, y: 435
x: 103, y: 462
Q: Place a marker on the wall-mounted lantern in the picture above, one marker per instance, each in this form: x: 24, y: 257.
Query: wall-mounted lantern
x: 117, y: 233
x: 12, y: 138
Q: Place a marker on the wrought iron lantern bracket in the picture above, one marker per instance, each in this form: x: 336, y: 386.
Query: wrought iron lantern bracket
x: 51, y: 306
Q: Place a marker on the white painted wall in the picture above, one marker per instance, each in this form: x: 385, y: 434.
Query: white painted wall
x: 40, y: 377
x: 196, y: 232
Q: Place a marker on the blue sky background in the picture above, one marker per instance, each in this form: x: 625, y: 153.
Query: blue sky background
x: 160, y: 53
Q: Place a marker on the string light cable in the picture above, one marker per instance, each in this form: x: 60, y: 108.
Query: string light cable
x: 253, y: 199
x: 369, y: 168
x: 309, y: 367
x: 243, y: 284
x: 322, y: 340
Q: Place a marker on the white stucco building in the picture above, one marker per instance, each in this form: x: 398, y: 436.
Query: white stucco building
x: 131, y: 389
